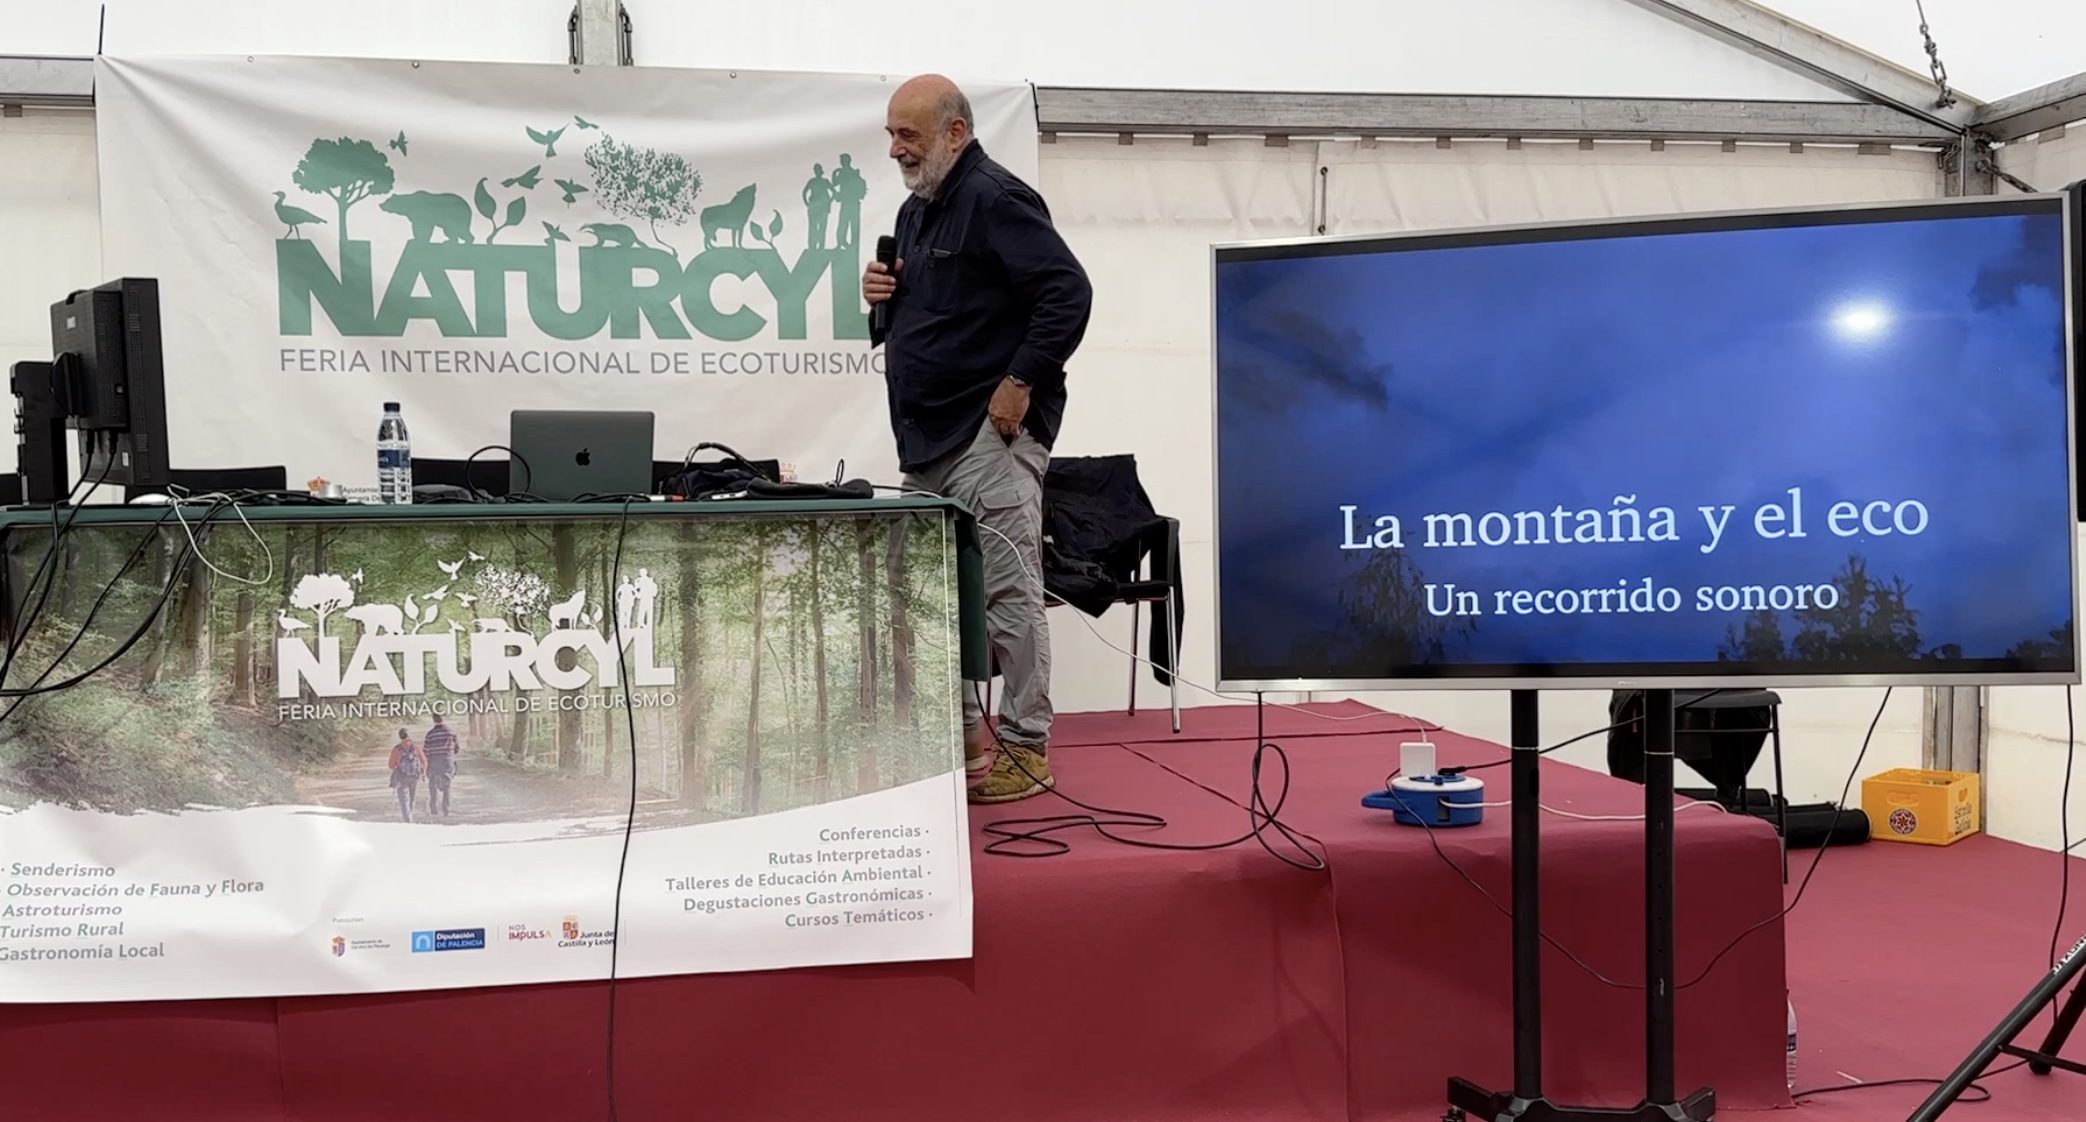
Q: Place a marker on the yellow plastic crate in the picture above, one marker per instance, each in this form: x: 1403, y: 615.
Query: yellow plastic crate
x: 1922, y: 807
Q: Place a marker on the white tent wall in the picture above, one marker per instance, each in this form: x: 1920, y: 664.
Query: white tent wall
x: 1149, y: 209
x: 50, y: 220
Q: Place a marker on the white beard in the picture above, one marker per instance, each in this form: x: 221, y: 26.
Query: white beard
x: 926, y: 177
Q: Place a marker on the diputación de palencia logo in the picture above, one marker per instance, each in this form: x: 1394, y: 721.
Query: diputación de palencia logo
x: 475, y: 636
x: 599, y: 237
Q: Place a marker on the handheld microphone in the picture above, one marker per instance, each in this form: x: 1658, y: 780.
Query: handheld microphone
x: 887, y: 254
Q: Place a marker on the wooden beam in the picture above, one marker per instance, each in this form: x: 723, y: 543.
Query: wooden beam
x: 1212, y: 112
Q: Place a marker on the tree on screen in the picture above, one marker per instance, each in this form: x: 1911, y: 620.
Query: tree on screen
x: 1872, y: 620
x: 1384, y: 622
x: 2059, y: 641
x: 1759, y: 639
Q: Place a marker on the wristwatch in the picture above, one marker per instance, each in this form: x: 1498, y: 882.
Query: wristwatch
x: 1018, y: 380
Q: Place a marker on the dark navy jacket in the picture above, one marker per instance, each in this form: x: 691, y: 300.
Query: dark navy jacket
x: 988, y: 289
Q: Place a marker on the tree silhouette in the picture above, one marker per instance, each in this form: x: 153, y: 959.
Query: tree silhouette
x: 346, y: 171
x: 1759, y: 640
x: 511, y: 592
x: 1871, y: 621
x: 1386, y: 621
x: 323, y: 593
x: 644, y: 184
x: 2059, y: 642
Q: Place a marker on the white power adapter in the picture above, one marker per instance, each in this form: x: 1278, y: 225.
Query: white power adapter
x: 1415, y: 759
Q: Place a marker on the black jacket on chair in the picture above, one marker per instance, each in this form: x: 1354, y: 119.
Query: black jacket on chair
x: 1098, y: 528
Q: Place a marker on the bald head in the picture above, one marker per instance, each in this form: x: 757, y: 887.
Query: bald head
x: 929, y: 121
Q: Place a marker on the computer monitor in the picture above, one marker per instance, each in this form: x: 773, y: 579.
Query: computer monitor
x: 107, y: 382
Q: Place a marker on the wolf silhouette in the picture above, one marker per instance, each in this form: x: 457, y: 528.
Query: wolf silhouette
x: 731, y: 216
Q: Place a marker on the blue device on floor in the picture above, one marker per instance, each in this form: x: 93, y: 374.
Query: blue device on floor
x: 1442, y: 800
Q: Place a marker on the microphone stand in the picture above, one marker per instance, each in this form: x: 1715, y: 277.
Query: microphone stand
x: 2041, y: 1061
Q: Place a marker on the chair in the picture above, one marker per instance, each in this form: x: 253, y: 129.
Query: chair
x: 204, y: 481
x: 1103, y: 545
x: 1718, y: 734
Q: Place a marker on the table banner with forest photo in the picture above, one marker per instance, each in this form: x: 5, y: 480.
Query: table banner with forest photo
x: 374, y: 754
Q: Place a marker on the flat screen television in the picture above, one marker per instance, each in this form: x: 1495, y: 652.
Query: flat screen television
x: 1819, y: 447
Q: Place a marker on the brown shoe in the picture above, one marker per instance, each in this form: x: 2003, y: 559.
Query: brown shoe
x: 1018, y: 772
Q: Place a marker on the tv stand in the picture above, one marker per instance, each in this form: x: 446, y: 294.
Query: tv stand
x: 1469, y: 1102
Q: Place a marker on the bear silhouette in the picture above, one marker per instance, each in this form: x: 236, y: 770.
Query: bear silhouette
x: 613, y: 234
x: 377, y: 619
x: 429, y: 211
x: 731, y: 216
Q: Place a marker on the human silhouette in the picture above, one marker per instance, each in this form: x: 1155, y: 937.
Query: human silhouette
x: 626, y: 602
x: 818, y: 205
x: 647, y: 592
x: 851, y: 189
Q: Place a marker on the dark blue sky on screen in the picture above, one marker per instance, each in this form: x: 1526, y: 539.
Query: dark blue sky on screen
x: 1894, y: 360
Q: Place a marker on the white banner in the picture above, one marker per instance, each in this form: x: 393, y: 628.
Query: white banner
x: 407, y: 760
x: 470, y: 239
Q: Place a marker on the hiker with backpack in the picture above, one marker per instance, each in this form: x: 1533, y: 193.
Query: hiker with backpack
x: 408, y: 764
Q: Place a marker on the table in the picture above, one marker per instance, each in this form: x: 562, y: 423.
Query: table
x: 219, y: 745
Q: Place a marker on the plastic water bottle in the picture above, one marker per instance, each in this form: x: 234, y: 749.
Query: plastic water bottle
x: 1792, y: 1047
x: 394, y: 457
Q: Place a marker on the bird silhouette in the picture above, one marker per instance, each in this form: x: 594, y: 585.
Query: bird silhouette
x: 583, y: 123
x: 356, y: 576
x: 572, y: 190
x: 552, y: 235
x: 526, y: 180
x: 549, y: 140
x: 477, y: 556
x: 294, y: 216
x: 400, y: 143
x: 450, y: 567
x: 283, y: 620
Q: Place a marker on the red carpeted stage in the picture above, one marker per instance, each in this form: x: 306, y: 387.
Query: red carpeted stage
x: 1109, y: 982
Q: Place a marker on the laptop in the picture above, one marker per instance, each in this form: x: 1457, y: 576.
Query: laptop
x: 564, y: 455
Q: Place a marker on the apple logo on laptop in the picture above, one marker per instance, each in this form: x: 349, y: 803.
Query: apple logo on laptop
x: 585, y: 457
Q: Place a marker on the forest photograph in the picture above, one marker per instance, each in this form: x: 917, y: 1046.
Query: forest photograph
x: 811, y: 659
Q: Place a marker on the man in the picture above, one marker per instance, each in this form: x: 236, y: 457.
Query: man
x: 440, y: 747
x: 987, y: 305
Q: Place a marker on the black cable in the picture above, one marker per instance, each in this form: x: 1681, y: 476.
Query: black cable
x: 174, y: 578
x: 1741, y: 937
x: 2064, y: 844
x: 1260, y: 814
x: 150, y: 537
x: 1619, y: 725
x: 528, y: 473
x: 615, y: 941
x: 1839, y: 808
x: 45, y: 574
x: 1813, y: 1092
